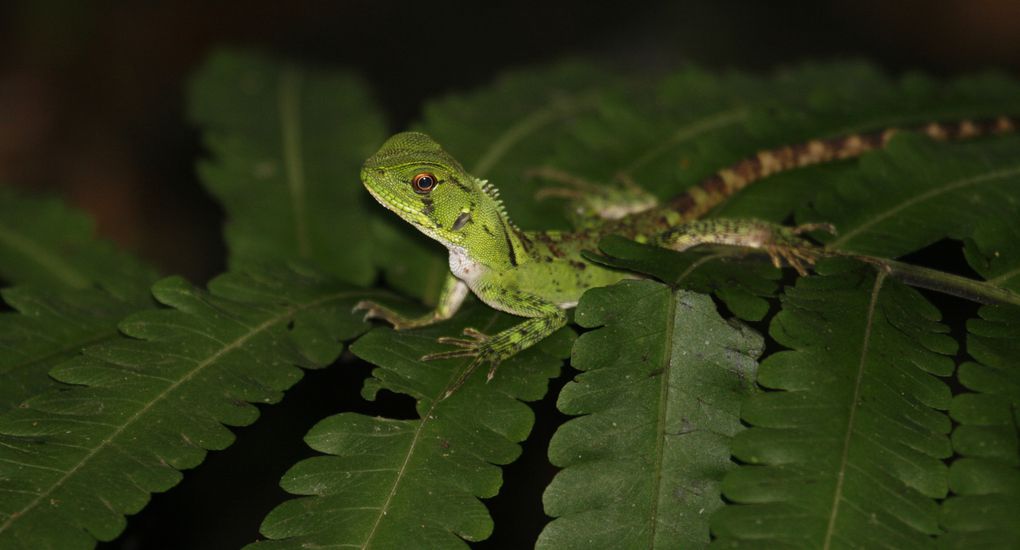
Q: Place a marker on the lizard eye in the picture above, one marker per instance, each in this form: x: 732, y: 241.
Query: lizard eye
x: 423, y: 183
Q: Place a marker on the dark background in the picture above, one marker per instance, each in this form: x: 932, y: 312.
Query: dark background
x: 91, y: 108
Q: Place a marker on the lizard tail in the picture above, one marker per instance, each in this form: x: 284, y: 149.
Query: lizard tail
x: 712, y: 191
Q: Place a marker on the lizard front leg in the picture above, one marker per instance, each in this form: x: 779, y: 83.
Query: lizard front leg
x: 544, y: 318
x: 450, y: 299
x: 782, y: 244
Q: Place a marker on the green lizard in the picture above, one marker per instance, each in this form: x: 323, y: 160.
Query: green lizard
x: 539, y: 274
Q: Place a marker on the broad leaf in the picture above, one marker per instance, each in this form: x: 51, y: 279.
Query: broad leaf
x: 660, y: 394
x: 388, y: 483
x: 73, y: 462
x: 985, y: 480
x: 288, y: 143
x: 849, y: 452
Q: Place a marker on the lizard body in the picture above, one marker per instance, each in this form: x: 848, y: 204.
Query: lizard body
x: 539, y: 274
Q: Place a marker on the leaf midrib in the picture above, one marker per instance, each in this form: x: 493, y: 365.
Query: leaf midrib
x: 425, y: 419
x: 837, y: 494
x: 663, y: 413
x: 107, y: 441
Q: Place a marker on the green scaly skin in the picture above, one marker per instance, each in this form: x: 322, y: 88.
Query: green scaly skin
x: 539, y: 274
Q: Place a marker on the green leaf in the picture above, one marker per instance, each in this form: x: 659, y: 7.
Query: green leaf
x: 74, y: 289
x: 849, y: 451
x: 910, y: 195
x: 744, y: 286
x: 660, y: 394
x: 48, y: 328
x: 386, y: 483
x: 74, y: 461
x: 985, y: 481
x: 46, y: 244
x: 287, y: 145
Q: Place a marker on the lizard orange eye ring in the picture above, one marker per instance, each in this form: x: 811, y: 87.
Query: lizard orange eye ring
x: 423, y: 183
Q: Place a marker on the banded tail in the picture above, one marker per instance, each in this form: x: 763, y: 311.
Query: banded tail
x: 712, y: 191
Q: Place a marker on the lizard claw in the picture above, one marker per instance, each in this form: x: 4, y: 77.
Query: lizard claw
x: 492, y: 372
x: 476, y: 345
x: 452, y: 354
x: 372, y: 310
x: 471, y: 346
x: 476, y: 334
x: 799, y: 258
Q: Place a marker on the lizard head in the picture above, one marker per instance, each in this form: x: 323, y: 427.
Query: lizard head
x: 415, y: 178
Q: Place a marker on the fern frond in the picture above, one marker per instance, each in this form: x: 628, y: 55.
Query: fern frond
x: 387, y: 483
x: 985, y: 480
x: 73, y: 462
x: 47, y: 244
x: 917, y: 192
x: 74, y: 289
x: 660, y: 394
x: 47, y: 328
x: 849, y: 451
x: 287, y: 144
x: 742, y: 283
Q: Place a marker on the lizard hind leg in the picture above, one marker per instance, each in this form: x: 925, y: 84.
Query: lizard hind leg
x: 783, y: 244
x: 589, y: 204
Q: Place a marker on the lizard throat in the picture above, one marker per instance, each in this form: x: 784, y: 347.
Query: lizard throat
x: 464, y: 267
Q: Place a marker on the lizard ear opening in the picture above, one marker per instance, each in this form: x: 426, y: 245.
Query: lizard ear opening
x: 461, y: 221
x: 424, y: 183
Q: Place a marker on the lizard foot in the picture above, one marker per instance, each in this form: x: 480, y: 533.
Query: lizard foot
x: 800, y: 258
x: 472, y: 346
x: 477, y: 345
x: 786, y: 247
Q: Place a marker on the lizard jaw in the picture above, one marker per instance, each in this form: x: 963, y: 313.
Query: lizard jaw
x: 416, y: 218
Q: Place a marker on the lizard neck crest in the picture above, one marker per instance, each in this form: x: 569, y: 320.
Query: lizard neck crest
x: 415, y: 178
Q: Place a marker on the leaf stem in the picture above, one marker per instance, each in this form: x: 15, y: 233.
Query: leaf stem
x: 940, y: 281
